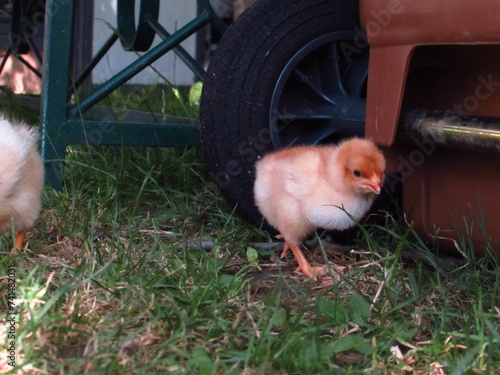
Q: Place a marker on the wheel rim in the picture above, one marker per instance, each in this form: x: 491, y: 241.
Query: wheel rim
x: 320, y: 95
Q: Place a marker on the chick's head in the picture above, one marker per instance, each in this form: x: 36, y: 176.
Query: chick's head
x: 362, y: 165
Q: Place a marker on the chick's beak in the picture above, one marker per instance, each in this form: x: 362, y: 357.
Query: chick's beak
x: 373, y: 185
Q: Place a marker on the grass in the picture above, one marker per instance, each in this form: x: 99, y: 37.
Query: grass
x: 115, y: 280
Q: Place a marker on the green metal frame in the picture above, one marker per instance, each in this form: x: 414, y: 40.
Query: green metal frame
x: 63, y: 121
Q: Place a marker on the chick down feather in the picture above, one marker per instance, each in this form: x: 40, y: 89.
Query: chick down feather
x: 21, y: 176
x: 306, y: 187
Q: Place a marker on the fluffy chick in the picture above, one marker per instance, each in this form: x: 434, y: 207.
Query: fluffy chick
x: 21, y: 178
x: 307, y: 187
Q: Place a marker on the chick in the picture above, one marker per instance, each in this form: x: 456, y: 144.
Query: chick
x: 307, y: 187
x: 21, y: 178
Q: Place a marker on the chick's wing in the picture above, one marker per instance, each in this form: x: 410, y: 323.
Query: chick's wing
x: 302, y: 171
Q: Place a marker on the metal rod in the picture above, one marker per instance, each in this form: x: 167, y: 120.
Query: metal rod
x: 218, y: 23
x: 5, y: 57
x: 179, y: 50
x: 95, y: 60
x: 57, y: 62
x: 28, y: 65
x: 32, y: 44
x: 140, y: 64
x: 470, y: 132
x: 144, y: 134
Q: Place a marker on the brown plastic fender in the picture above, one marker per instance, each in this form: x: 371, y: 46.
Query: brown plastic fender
x: 395, y: 27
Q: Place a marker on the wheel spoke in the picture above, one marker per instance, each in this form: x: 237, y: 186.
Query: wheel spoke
x: 345, y: 109
x: 355, y: 77
x: 313, y: 136
x: 320, y: 95
x: 310, y: 88
x: 307, y: 111
x: 348, y: 128
x: 319, y: 77
x: 350, y: 109
x: 315, y: 132
x: 332, y: 72
x: 304, y: 116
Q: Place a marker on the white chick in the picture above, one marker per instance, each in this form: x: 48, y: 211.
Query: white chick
x: 307, y: 187
x: 21, y: 178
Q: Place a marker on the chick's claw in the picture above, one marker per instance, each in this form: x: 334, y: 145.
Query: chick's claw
x: 315, y: 271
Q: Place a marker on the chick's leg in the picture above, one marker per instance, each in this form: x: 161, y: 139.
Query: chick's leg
x: 285, y: 246
x: 19, y: 241
x: 304, y: 265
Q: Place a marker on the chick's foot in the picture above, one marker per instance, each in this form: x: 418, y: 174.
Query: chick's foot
x: 304, y: 265
x: 19, y: 241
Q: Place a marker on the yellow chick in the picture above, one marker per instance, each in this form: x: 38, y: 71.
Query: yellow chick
x: 21, y: 178
x: 307, y: 187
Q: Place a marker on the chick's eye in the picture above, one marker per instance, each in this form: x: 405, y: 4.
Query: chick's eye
x: 356, y: 173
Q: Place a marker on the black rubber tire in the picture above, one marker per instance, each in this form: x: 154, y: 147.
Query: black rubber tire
x: 239, y: 84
